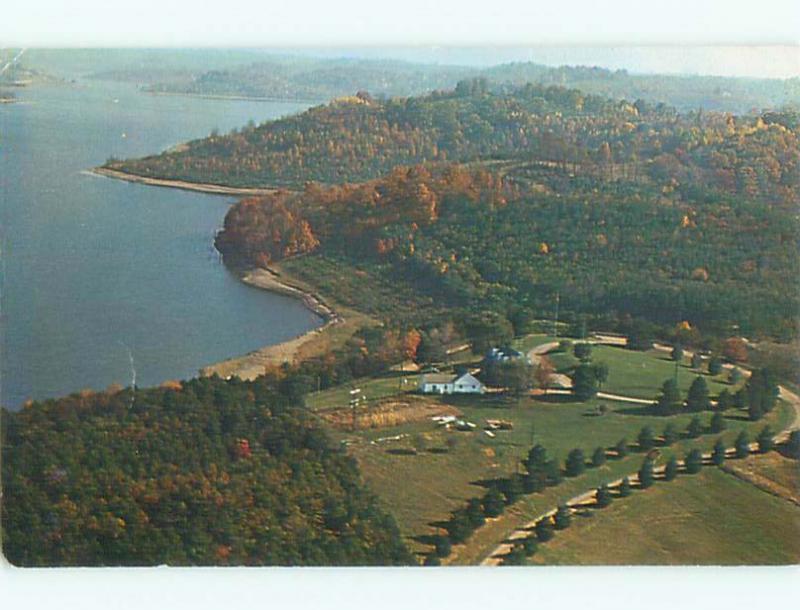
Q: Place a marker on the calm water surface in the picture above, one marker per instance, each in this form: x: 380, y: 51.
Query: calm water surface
x: 97, y: 270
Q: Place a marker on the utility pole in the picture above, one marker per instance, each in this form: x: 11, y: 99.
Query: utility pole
x: 555, y: 319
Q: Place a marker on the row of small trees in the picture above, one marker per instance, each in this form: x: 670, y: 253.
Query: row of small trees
x: 544, y: 529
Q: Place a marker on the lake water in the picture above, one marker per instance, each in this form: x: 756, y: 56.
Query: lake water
x: 96, y: 269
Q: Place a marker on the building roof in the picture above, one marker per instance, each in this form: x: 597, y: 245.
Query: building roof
x: 438, y: 378
x: 468, y: 378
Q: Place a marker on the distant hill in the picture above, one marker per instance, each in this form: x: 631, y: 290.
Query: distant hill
x: 307, y: 78
x: 360, y: 138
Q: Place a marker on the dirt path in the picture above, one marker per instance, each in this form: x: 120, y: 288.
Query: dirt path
x: 495, y: 556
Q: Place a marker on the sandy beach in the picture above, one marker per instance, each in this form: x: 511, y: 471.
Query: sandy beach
x: 252, y: 365
x: 215, y: 189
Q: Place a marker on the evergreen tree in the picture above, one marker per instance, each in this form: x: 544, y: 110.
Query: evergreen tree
x: 669, y: 402
x: 599, y: 457
x: 621, y: 448
x: 671, y: 469
x: 576, y: 463
x: 563, y: 517
x: 512, y: 488
x: 718, y: 455
x: 554, y: 476
x: 697, y: 399
x: 537, y: 458
x: 431, y: 560
x: 695, y: 428
x: 493, y: 503
x: 724, y: 401
x: 670, y: 434
x: 646, y: 439
x: 443, y: 546
x: 717, y: 422
x: 735, y: 376
x: 515, y: 557
x: 530, y: 545
x: 646, y: 473
x: 765, y: 440
x: 544, y: 529
x: 625, y: 487
x: 474, y: 513
x: 742, y: 445
x: 458, y: 527
x: 603, y: 496
x: 693, y: 461
x: 697, y: 361
x: 535, y: 481
x: 584, y: 382
x: 714, y: 366
x: 755, y: 411
x: 793, y: 445
x: 677, y: 353
x: 600, y: 370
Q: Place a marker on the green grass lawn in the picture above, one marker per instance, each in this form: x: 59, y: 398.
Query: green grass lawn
x: 424, y: 488
x: 632, y: 373
x: 711, y: 518
x: 372, y: 389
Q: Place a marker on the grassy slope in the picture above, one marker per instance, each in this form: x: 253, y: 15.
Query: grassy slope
x: 640, y: 374
x: 710, y: 518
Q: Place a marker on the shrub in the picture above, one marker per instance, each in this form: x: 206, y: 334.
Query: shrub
x: 443, y: 546
x: 670, y: 434
x: 671, y: 469
x: 694, y: 461
x: 646, y: 473
x: 563, y: 517
x: 544, y: 530
x: 742, y: 445
x: 582, y: 351
x: 621, y: 448
x: 493, y: 503
x: 646, y: 439
x: 576, y: 463
x: 625, y: 488
x: 599, y: 457
x: 765, y: 441
x: 718, y: 455
x: 717, y: 422
x: 695, y: 428
x: 603, y: 496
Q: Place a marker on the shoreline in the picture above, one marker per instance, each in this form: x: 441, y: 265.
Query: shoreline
x: 251, y: 365
x: 199, y: 187
x: 237, y: 98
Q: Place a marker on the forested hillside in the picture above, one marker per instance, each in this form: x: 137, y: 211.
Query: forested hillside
x: 475, y: 242
x: 359, y: 138
x: 203, y: 472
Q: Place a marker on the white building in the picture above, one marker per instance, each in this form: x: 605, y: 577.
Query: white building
x: 438, y: 383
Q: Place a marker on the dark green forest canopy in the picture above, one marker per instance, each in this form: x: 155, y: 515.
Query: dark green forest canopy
x: 206, y: 472
x: 359, y: 138
x: 474, y: 242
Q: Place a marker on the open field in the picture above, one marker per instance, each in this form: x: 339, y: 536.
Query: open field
x: 424, y: 488
x: 772, y: 473
x: 711, y: 518
x: 632, y: 373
